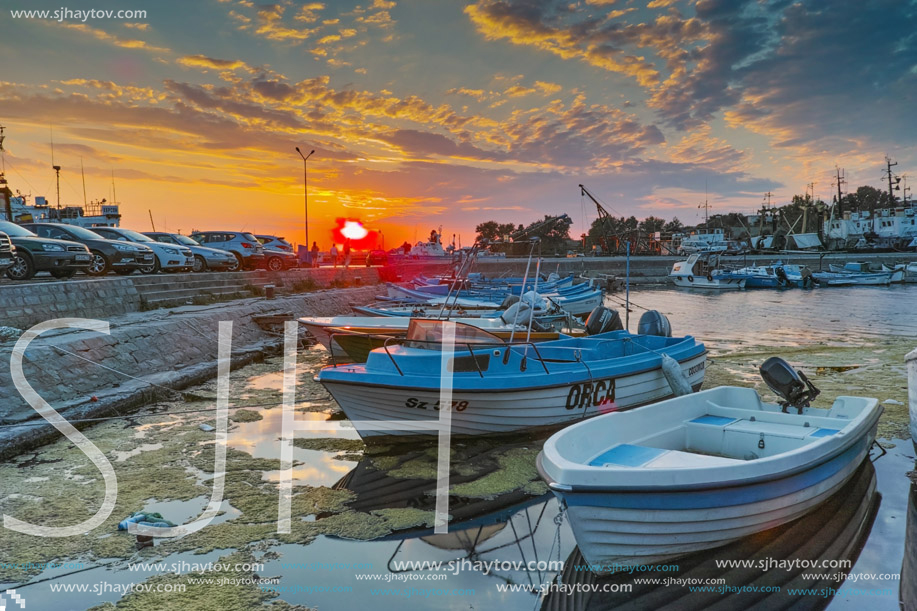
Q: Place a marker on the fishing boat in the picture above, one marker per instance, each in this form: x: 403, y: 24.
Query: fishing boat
x: 701, y: 271
x: 852, y: 279
x: 357, y: 343
x: 778, y: 275
x: 700, y: 471
x: 578, y: 302
x: 859, y: 267
x: 321, y: 327
x: 503, y: 388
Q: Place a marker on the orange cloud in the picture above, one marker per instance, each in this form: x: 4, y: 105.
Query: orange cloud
x: 113, y: 39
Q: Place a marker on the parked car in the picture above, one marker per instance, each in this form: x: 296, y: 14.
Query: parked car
x: 247, y: 249
x: 107, y: 255
x: 169, y: 258
x: 276, y: 260
x: 277, y: 243
x: 62, y: 258
x: 7, y: 251
x: 204, y: 258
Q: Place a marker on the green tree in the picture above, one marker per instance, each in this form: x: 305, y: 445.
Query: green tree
x: 651, y: 224
x: 493, y: 231
x: 553, y: 235
x: 673, y: 226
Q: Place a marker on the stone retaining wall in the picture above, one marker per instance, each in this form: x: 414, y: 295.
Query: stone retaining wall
x: 171, y: 348
x: 25, y: 304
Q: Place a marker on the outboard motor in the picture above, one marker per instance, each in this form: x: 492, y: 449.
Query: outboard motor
x: 792, y: 385
x: 603, y: 320
x: 508, y: 301
x: 653, y: 322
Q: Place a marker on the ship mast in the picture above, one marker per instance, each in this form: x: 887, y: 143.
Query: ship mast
x: 841, y: 180
x: 897, y: 179
x: 706, y: 207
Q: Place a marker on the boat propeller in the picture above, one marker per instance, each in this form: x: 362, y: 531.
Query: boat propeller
x: 792, y: 385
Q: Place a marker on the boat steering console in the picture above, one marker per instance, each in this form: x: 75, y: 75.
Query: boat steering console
x: 792, y: 385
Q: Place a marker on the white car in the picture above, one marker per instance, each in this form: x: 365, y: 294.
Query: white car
x: 169, y: 257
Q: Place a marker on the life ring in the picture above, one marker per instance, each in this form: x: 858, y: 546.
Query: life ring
x: 690, y: 278
x: 709, y: 277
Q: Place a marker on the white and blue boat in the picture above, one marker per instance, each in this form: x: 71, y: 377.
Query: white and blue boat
x: 777, y: 275
x: 500, y: 387
x: 578, y: 302
x: 703, y: 470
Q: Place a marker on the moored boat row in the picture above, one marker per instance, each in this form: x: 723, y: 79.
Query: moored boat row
x: 649, y: 467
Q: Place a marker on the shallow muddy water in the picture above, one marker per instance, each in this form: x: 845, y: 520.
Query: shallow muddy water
x: 358, y: 513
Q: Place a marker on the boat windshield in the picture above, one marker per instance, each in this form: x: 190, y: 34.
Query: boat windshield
x: 428, y: 334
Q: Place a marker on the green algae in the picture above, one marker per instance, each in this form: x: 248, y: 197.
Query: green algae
x: 878, y: 371
x: 536, y: 488
x: 516, y: 470
x: 407, y: 517
x: 329, y: 444
x: 246, y: 415
x: 348, y: 456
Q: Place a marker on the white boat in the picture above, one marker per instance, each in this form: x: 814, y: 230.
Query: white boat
x: 896, y: 274
x: 910, y: 272
x: 700, y: 271
x: 702, y: 470
x: 499, y: 387
x: 852, y: 279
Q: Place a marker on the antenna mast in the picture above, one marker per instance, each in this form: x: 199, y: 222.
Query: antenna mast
x: 706, y: 207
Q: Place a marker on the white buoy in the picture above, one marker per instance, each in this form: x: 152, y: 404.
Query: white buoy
x: 911, y: 360
x: 675, y: 377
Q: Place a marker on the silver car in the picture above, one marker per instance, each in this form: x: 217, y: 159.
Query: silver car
x: 247, y: 249
x: 204, y: 258
x: 169, y: 258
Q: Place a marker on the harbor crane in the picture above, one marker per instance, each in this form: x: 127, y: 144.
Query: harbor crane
x: 613, y: 241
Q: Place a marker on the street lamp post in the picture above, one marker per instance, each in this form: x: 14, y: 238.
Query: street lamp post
x: 305, y: 180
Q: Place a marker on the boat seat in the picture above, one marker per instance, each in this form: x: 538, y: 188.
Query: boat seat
x: 714, y: 420
x: 628, y: 455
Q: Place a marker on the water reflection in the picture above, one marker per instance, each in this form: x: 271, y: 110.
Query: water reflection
x: 836, y: 531
x: 401, y: 478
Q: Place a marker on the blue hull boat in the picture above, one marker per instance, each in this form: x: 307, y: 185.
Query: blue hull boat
x: 500, y: 387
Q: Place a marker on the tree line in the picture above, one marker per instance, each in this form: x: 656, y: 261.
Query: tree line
x: 803, y: 214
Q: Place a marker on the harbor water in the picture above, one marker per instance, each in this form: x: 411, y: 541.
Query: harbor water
x: 363, y: 533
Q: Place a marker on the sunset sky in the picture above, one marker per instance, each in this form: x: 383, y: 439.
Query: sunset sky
x: 425, y: 113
